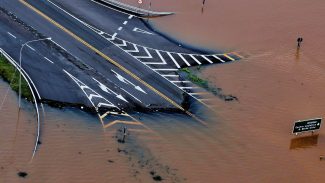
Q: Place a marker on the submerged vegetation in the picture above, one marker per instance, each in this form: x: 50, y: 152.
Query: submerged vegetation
x: 191, y: 76
x: 9, y: 73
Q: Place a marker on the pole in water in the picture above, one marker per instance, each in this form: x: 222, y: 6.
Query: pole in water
x: 124, y: 134
x: 299, y: 41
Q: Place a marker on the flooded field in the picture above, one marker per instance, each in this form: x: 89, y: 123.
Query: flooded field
x: 249, y: 140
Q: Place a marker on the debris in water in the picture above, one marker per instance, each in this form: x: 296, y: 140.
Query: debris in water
x: 22, y: 174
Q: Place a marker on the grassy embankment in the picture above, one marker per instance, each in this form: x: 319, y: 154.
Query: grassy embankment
x: 190, y: 75
x: 9, y: 73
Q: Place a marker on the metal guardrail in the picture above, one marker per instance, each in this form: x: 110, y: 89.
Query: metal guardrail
x: 131, y: 9
x: 31, y: 85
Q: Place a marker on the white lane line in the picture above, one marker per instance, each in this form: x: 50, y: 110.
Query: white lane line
x: 196, y: 60
x: 173, y: 60
x: 125, y: 22
x: 12, y: 35
x: 131, y: 16
x: 207, y: 59
x: 48, y: 60
x: 165, y: 69
x: 171, y: 75
x: 215, y: 56
x: 131, y: 95
x: 180, y: 55
x: 30, y: 47
x: 120, y: 28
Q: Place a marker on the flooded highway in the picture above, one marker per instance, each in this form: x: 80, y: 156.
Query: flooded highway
x: 248, y: 140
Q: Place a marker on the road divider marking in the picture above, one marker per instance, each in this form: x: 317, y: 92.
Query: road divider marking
x: 12, y: 35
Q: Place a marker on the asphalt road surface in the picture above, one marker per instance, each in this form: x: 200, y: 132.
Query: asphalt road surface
x: 101, y: 58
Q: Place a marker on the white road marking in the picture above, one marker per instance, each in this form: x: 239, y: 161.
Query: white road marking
x: 207, y: 59
x: 141, y: 31
x: 125, y: 22
x: 48, y: 60
x: 171, y: 75
x: 123, y: 43
x: 131, y: 95
x: 108, y: 90
x: 196, y: 60
x: 124, y: 80
x: 30, y: 47
x: 156, y: 63
x: 59, y: 45
x: 120, y: 28
x: 180, y: 55
x: 173, y: 60
x: 131, y: 16
x: 189, y: 87
x: 181, y: 81
x: 215, y: 56
x: 114, y: 35
x: 165, y: 69
x: 12, y: 35
x: 136, y: 50
x: 148, y: 53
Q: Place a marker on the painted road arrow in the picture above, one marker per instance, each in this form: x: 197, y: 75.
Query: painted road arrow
x: 108, y: 90
x: 141, y: 31
x: 124, y: 80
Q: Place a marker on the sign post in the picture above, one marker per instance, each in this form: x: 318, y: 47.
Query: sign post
x: 307, y: 125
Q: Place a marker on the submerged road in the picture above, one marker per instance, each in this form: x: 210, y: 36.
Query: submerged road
x: 101, y: 58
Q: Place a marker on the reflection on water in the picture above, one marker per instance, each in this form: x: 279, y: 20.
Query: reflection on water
x: 304, y: 142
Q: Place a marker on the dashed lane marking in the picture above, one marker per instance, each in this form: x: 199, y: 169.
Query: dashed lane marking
x: 125, y: 22
x: 49, y: 60
x: 120, y: 28
x: 130, y: 17
x: 12, y: 35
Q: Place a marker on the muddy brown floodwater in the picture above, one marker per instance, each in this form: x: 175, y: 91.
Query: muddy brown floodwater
x: 249, y: 141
